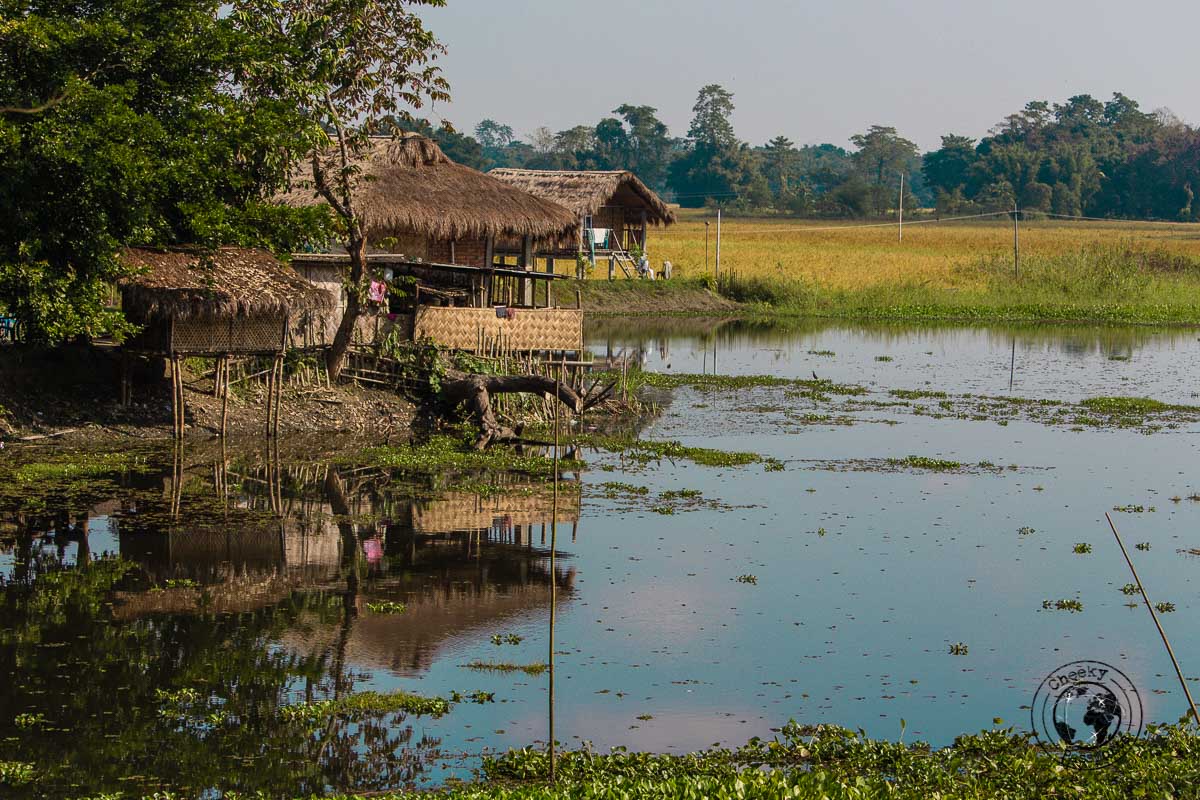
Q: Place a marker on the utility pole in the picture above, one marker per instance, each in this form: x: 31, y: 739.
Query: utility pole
x: 718, y: 244
x: 1016, y: 242
x: 901, y: 207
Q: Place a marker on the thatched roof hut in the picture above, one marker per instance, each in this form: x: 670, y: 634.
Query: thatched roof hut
x: 193, y: 283
x: 407, y: 186
x: 193, y: 301
x: 586, y: 192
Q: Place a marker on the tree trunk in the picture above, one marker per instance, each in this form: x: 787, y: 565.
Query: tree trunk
x: 475, y: 392
x: 336, y: 358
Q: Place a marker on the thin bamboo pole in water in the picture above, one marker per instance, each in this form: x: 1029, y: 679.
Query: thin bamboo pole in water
x: 553, y: 586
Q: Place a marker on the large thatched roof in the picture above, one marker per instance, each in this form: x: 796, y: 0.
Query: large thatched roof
x: 407, y: 185
x: 586, y: 192
x: 188, y: 283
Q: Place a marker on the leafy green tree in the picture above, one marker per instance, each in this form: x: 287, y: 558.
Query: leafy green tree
x: 779, y: 161
x: 711, y: 121
x: 716, y: 166
x: 949, y: 167
x: 882, y: 156
x: 342, y: 64
x: 121, y: 129
x: 638, y: 141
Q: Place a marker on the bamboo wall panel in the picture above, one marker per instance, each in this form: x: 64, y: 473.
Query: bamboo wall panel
x: 527, y: 329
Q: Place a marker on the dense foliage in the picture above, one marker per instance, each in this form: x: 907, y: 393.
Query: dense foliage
x: 1080, y: 157
x: 119, y: 126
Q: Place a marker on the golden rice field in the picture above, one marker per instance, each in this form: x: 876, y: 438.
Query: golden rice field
x: 936, y: 254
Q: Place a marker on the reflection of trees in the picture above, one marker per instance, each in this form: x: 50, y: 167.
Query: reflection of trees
x: 183, y: 686
x: 106, y: 691
x: 730, y: 334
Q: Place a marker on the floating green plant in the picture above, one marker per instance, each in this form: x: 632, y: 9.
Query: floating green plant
x: 751, y: 579
x: 1164, y: 608
x: 1143, y: 546
x: 501, y: 666
x: 1129, y: 589
x: 365, y: 704
x: 1081, y: 548
x: 508, y: 638
x: 478, y: 697
x: 1074, y: 606
x: 926, y: 463
x: 1025, y: 530
x: 386, y: 607
x: 959, y: 649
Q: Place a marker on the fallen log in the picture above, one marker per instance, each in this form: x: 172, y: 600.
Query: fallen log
x: 474, y: 391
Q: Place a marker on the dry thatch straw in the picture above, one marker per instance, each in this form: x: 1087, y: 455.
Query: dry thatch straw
x: 191, y: 283
x: 586, y: 192
x: 407, y: 185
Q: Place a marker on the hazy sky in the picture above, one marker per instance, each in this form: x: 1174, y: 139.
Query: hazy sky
x: 815, y: 72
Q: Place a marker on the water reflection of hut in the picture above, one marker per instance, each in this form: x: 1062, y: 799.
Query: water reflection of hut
x: 434, y: 225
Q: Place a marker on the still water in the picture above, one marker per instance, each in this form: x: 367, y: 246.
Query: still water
x: 256, y: 573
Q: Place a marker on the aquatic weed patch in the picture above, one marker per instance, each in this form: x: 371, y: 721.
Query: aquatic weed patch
x: 440, y: 453
x: 836, y: 763
x: 927, y: 464
x: 641, y: 452
x: 503, y: 666
x: 366, y: 704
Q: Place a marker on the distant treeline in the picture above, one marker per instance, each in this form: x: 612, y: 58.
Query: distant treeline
x: 1081, y: 157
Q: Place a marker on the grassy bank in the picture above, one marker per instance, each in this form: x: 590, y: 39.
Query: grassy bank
x: 835, y: 763
x: 1086, y: 272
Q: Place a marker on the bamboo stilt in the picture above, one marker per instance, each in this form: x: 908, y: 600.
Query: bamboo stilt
x: 270, y: 397
x: 224, y: 394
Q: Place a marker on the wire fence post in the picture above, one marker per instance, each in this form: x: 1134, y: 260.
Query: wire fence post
x: 1016, y: 243
x: 901, y: 237
x: 718, y: 244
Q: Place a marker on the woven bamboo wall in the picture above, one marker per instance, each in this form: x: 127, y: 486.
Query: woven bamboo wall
x: 526, y: 329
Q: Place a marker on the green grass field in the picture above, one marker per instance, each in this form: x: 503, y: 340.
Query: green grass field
x: 1082, y: 271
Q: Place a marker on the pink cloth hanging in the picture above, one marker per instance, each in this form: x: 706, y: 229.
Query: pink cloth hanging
x: 377, y: 292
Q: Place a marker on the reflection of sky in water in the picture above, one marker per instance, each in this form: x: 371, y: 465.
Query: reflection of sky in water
x: 851, y: 627
x: 854, y: 627
x: 1060, y: 362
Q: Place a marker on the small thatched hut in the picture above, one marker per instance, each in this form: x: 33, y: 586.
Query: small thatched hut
x: 191, y: 301
x: 613, y: 208
x: 231, y: 301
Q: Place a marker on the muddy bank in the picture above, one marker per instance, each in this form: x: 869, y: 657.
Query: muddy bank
x: 71, y: 392
x: 620, y: 297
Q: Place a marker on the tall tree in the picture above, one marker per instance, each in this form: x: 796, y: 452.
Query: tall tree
x: 716, y: 166
x: 882, y: 156
x: 343, y: 64
x: 121, y: 129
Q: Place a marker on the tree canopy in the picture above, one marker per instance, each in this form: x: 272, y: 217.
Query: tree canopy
x: 121, y: 129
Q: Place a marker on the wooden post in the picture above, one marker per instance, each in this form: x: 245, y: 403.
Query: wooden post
x: 278, y: 394
x: 1016, y: 243
x: 224, y: 393
x: 718, y: 244
x: 527, y: 264
x: 270, y: 397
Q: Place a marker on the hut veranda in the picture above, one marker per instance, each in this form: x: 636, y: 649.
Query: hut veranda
x: 435, y: 229
x: 613, y: 209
